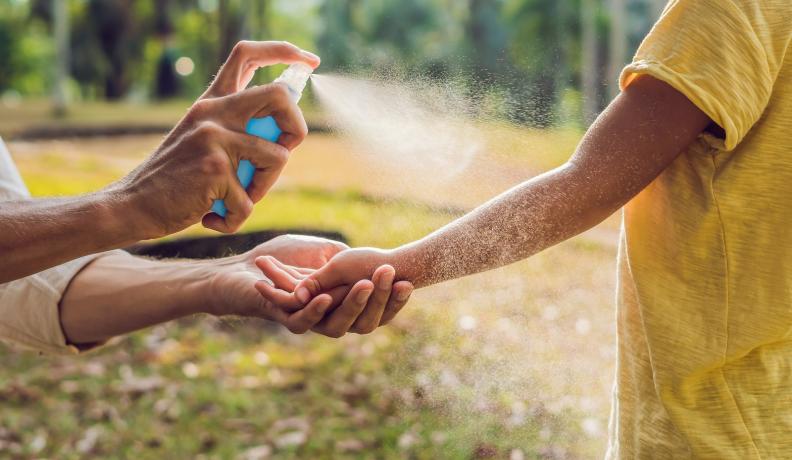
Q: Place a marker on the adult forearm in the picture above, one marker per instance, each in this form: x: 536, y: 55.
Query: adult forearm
x: 36, y: 234
x: 118, y: 294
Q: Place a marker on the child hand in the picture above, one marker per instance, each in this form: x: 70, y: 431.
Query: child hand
x: 361, y: 307
x: 345, y: 268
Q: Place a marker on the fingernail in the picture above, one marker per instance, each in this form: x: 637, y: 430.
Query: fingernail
x: 386, y: 280
x: 303, y: 294
x: 404, y: 295
x: 363, y: 296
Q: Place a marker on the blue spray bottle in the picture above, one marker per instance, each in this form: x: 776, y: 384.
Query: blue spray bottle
x: 295, y: 77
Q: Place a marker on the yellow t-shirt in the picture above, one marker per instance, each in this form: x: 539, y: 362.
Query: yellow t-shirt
x: 705, y: 263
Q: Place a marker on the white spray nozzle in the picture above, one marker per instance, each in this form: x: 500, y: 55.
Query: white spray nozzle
x: 296, y: 77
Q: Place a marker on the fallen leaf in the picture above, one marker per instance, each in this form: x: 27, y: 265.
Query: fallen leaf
x: 257, y: 453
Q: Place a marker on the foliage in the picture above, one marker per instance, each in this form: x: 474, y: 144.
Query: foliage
x: 25, y: 52
x: 523, y: 53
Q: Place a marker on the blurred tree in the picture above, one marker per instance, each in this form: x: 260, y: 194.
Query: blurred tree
x: 659, y: 5
x: 486, y: 35
x: 335, y: 41
x: 231, y: 24
x: 166, y: 81
x: 544, y: 32
x: 60, y: 13
x: 10, y: 56
x: 589, y: 74
x: 618, y: 44
x: 526, y: 59
x: 119, y: 33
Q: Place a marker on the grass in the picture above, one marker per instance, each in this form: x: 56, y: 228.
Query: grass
x: 38, y: 113
x: 518, y: 360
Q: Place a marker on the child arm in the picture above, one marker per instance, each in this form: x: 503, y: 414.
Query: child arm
x: 642, y: 132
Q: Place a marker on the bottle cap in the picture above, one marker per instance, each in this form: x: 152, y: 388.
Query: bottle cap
x: 296, y: 77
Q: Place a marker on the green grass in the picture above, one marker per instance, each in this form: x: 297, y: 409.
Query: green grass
x: 524, y: 378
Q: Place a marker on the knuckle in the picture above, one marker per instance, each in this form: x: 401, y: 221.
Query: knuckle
x: 242, y: 215
x: 279, y: 93
x: 302, y: 130
x: 240, y: 48
x: 207, y: 131
x: 285, y: 47
x: 316, y: 284
x: 247, y: 208
x: 232, y: 227
x: 214, y: 165
x: 199, y: 109
x: 280, y: 155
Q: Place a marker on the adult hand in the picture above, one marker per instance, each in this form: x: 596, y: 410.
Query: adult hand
x: 230, y: 285
x: 232, y: 289
x: 197, y: 162
x: 298, y: 250
x: 357, y: 312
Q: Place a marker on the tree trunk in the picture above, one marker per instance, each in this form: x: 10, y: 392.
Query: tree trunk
x: 260, y: 26
x: 60, y: 14
x: 589, y: 73
x: 226, y: 40
x: 618, y: 45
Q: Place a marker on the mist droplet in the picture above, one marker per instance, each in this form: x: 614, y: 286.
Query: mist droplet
x: 467, y: 323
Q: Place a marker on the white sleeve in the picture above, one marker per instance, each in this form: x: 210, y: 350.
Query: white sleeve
x: 29, y: 307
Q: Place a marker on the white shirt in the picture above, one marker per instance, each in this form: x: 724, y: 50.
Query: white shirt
x: 29, y: 307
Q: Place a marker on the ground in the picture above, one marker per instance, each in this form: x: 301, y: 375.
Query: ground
x: 515, y: 363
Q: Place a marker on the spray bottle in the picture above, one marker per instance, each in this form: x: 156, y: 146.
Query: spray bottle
x: 295, y: 77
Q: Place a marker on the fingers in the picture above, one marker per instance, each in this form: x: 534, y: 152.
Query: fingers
x: 279, y: 298
x: 369, y: 320
x: 296, y: 272
x: 313, y: 284
x: 248, y: 56
x: 260, y: 101
x: 268, y: 158
x: 304, y: 320
x: 238, y: 205
x: 337, y: 323
x: 272, y: 269
x: 399, y: 297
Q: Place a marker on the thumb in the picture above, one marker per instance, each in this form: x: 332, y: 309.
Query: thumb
x: 318, y: 282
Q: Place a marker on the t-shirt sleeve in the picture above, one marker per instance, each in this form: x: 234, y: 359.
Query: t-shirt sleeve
x: 723, y: 55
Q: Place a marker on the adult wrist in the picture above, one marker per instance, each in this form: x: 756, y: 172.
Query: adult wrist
x: 213, y: 289
x: 197, y: 288
x: 116, y: 221
x: 128, y: 213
